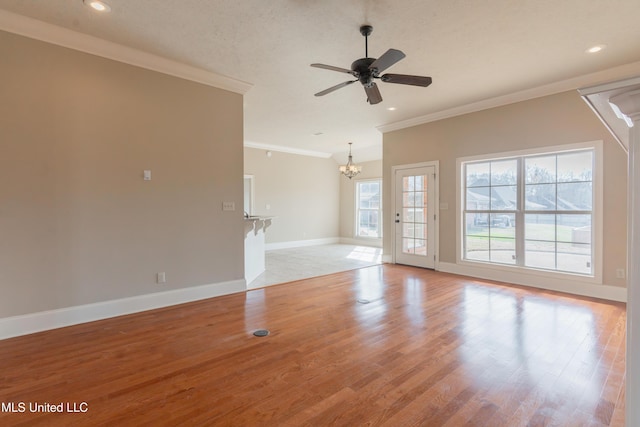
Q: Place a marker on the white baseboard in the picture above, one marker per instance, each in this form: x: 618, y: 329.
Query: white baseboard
x: 374, y: 243
x: 576, y: 287
x: 53, y: 319
x: 301, y: 243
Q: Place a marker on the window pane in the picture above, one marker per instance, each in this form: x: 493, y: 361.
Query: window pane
x: 477, y: 224
x: 477, y: 174
x: 420, y: 247
x: 540, y: 197
x: 478, y: 198
x: 504, y: 172
x: 420, y: 198
x: 539, y: 170
x: 421, y: 231
x: 420, y: 215
x: 575, y: 166
x: 421, y: 183
x: 540, y: 227
x: 504, y: 198
x: 477, y: 248
x: 408, y: 214
x: 408, y: 199
x: 503, y: 225
x: 540, y: 254
x: 503, y: 250
x: 574, y: 257
x: 407, y: 230
x: 368, y: 224
x: 574, y: 228
x: 575, y: 196
x: 408, y: 246
x: 408, y: 183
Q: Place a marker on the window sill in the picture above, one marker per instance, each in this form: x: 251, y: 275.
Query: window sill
x: 528, y: 271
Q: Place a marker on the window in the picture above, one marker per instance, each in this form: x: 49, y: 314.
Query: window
x: 533, y: 211
x: 369, y: 208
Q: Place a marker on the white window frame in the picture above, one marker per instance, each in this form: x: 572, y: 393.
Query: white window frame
x: 356, y: 224
x: 597, y: 220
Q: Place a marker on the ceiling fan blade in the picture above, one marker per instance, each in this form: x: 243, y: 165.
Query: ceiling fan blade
x: 389, y: 58
x: 332, y: 68
x: 373, y: 94
x: 336, y: 87
x: 404, y: 79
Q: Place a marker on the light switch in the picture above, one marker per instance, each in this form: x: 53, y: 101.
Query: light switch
x: 228, y: 206
x: 147, y: 175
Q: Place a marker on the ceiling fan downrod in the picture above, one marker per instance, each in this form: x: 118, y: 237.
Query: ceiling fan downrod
x: 366, y: 31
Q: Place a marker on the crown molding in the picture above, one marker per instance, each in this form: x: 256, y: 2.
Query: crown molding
x: 39, y: 30
x: 289, y: 150
x: 600, y: 77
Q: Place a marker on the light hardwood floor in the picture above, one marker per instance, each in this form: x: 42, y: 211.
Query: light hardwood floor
x: 383, y: 345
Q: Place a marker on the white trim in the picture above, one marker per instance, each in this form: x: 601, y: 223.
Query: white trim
x: 362, y: 241
x: 301, y: 243
x: 387, y: 259
x: 289, y: 150
x: 598, y: 188
x: 623, y: 71
x: 609, y: 86
x: 53, y: 319
x: 32, y: 28
x: 436, y: 165
x: 575, y: 287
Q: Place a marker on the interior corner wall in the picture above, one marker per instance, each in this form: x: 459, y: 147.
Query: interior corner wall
x: 78, y: 223
x: 553, y: 120
x: 301, y: 192
x: 370, y: 170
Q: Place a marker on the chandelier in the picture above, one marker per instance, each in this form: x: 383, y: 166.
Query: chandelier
x: 350, y: 170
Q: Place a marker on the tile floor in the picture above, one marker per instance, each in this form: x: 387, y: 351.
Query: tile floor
x: 286, y: 265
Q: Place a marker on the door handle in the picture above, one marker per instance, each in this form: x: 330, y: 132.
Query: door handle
x: 397, y: 221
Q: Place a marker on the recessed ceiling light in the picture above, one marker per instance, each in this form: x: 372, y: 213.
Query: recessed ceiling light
x: 98, y: 5
x: 318, y: 134
x: 595, y: 49
x: 391, y: 108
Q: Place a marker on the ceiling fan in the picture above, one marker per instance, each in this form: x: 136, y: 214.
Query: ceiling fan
x: 365, y: 70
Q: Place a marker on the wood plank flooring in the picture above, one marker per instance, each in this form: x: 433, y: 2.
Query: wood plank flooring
x: 380, y: 346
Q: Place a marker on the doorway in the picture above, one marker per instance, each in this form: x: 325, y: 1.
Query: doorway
x: 414, y: 215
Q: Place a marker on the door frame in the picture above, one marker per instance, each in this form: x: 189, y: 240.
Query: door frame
x: 436, y: 233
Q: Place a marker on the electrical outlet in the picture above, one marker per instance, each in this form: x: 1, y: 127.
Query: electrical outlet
x: 620, y: 273
x: 161, y: 277
x: 228, y: 206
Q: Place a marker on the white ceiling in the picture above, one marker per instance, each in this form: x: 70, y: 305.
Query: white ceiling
x: 474, y: 51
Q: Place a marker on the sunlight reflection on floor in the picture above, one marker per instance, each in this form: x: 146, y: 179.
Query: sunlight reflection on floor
x: 365, y: 253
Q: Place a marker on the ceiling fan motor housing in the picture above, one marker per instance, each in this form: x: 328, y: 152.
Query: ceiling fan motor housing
x: 362, y: 71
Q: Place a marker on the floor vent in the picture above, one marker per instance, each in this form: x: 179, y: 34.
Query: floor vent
x: 261, y: 333
x: 364, y: 301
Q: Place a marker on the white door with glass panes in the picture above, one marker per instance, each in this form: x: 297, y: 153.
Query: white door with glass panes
x: 414, y: 216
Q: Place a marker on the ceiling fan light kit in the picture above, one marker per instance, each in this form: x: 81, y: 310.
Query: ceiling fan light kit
x: 366, y: 70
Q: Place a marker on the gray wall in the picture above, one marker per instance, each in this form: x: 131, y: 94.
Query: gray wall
x: 548, y: 121
x: 302, y: 192
x: 77, y: 222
